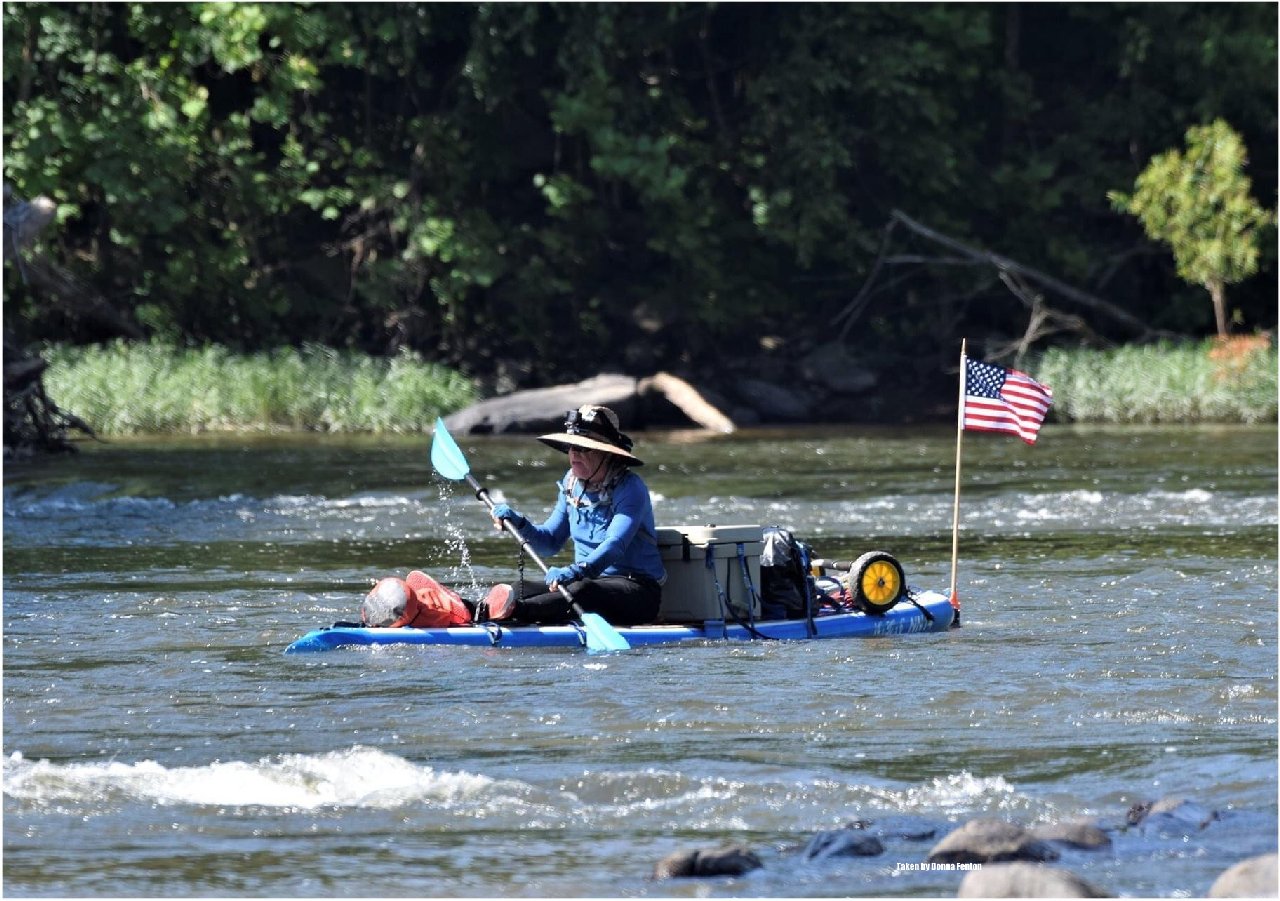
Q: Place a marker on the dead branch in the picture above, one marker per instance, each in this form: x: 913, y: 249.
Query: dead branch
x: 1042, y: 322
x: 965, y: 254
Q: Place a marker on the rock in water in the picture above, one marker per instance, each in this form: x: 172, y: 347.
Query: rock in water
x: 987, y: 840
x: 1025, y: 880
x: 842, y: 843
x: 1174, y: 816
x: 733, y: 860
x: 1083, y: 834
x: 1255, y: 877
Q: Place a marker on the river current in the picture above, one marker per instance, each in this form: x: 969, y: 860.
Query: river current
x: 1119, y: 645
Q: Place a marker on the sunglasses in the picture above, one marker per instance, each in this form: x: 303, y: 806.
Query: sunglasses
x: 595, y: 424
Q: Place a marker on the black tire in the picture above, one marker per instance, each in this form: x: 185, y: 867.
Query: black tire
x: 877, y: 582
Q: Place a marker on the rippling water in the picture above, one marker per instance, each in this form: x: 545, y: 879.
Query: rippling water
x: 1119, y: 645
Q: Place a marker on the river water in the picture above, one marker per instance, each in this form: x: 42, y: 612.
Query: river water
x: 1119, y: 594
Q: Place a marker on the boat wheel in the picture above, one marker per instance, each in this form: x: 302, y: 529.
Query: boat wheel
x: 877, y: 582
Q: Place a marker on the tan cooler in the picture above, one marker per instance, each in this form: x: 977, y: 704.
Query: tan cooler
x: 689, y: 594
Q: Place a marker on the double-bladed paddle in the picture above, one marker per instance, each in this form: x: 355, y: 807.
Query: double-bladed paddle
x: 448, y: 460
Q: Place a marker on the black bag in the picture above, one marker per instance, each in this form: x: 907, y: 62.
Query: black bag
x: 785, y: 587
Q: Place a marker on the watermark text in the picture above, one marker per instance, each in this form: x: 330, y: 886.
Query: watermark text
x: 937, y: 867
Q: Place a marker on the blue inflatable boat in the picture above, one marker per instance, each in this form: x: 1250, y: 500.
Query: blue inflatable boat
x: 918, y: 611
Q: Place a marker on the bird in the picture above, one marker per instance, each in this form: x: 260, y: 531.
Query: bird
x: 23, y: 220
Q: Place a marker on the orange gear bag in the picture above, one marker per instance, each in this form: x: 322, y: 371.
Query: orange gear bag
x: 430, y: 604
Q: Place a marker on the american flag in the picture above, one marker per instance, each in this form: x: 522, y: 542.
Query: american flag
x: 1003, y: 400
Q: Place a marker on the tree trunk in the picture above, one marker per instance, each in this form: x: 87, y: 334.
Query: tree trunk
x: 1218, y: 292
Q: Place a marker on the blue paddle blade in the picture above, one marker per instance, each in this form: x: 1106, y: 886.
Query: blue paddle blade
x: 601, y: 636
x: 446, y: 456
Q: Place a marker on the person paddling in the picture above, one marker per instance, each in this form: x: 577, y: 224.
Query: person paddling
x: 604, y: 506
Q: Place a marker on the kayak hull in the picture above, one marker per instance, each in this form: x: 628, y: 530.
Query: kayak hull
x: 934, y: 614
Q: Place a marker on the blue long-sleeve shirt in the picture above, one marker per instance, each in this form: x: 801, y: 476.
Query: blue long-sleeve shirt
x: 616, y: 537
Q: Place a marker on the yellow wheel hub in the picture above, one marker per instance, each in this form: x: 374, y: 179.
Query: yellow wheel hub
x: 881, y: 582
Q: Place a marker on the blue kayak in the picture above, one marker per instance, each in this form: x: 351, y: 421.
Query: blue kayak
x: 922, y: 611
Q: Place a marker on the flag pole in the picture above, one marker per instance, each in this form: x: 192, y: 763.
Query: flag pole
x: 955, y: 510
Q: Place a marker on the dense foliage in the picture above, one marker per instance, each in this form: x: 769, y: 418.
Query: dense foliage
x: 535, y: 191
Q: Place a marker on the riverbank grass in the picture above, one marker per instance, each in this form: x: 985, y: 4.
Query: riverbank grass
x: 1193, y: 382
x: 126, y: 389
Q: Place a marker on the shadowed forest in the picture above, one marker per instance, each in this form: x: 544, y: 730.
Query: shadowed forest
x: 533, y: 193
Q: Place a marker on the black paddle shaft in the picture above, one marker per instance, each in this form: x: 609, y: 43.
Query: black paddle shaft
x: 482, y: 493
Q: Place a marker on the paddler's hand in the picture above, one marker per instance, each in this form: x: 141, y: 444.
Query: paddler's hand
x: 563, y: 575
x: 504, y: 511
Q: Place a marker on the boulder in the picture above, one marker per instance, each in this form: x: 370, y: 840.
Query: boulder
x: 1084, y: 834
x: 832, y: 367
x: 774, y: 402
x: 988, y: 840
x: 731, y: 860
x: 1025, y: 880
x: 1254, y: 877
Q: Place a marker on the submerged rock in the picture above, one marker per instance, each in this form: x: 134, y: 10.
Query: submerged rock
x: 1083, y: 834
x: 1176, y: 816
x: 987, y: 840
x: 1254, y: 877
x: 732, y: 860
x: 1025, y: 880
x: 847, y: 842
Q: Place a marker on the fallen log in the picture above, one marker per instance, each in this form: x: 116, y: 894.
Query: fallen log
x: 688, y: 400
x: 638, y: 402
x: 543, y: 409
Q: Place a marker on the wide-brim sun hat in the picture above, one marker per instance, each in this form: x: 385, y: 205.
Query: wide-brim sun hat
x: 594, y: 428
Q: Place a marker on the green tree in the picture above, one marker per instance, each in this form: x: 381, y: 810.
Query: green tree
x: 1199, y: 204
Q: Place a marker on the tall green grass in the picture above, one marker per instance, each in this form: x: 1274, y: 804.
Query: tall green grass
x: 124, y: 388
x: 1159, y: 383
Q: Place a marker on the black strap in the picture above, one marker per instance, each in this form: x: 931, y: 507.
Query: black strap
x: 910, y: 596
x: 753, y: 598
x: 808, y: 588
x: 725, y: 607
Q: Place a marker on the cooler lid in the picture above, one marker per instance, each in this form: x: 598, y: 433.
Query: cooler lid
x: 709, y: 534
